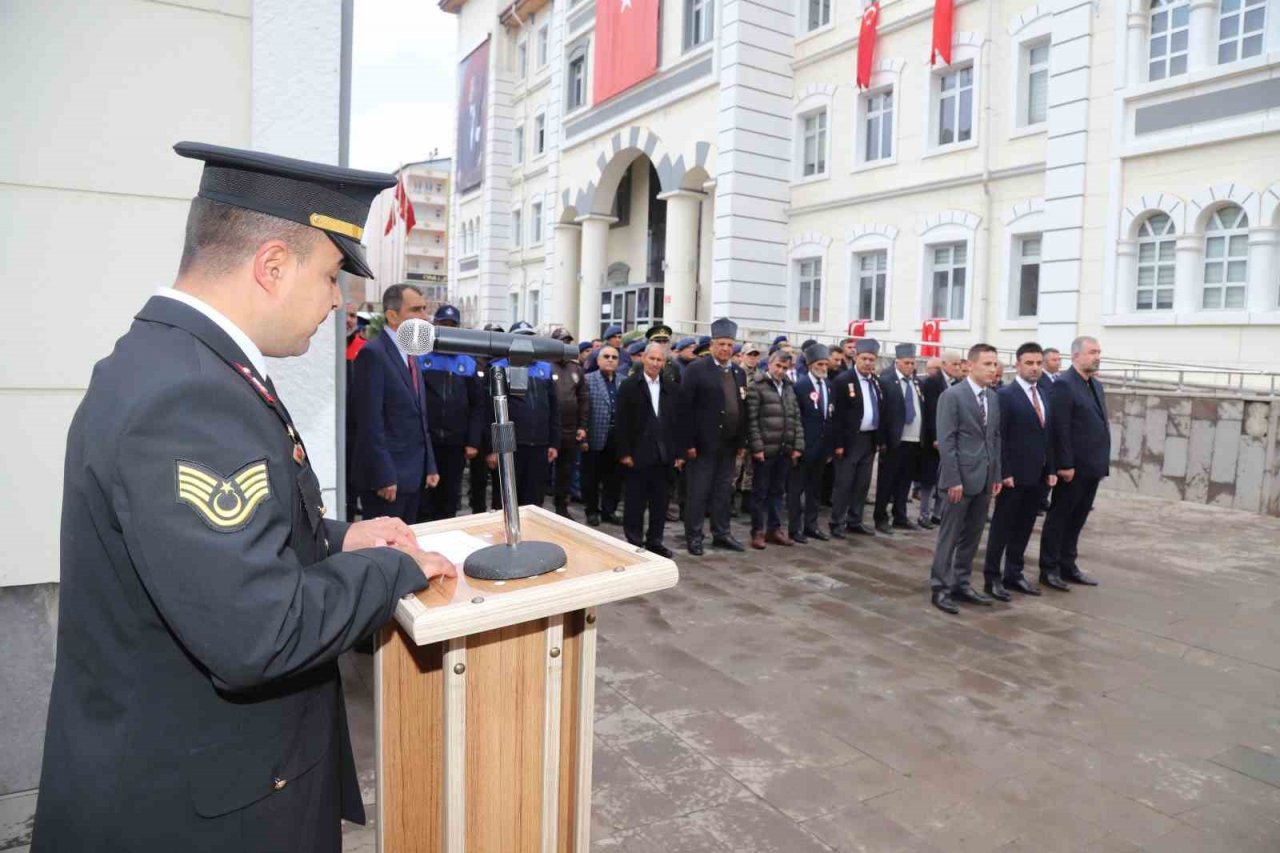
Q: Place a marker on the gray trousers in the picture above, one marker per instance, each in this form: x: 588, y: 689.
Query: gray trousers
x: 927, y: 502
x: 853, y: 481
x: 958, y: 539
x: 710, y: 485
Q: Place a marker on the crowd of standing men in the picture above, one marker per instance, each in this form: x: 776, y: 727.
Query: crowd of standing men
x: 791, y: 431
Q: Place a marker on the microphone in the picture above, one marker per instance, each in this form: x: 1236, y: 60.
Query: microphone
x: 418, y: 337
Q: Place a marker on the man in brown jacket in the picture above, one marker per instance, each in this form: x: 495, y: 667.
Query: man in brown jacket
x: 575, y: 409
x: 775, y: 440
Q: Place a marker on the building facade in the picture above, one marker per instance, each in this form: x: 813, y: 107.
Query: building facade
x: 419, y: 254
x: 1103, y: 167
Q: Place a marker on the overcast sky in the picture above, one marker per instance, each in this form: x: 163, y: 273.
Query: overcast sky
x: 402, y: 86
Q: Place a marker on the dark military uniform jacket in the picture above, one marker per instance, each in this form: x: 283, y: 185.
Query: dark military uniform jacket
x: 204, y: 601
x: 535, y: 413
x: 456, y: 414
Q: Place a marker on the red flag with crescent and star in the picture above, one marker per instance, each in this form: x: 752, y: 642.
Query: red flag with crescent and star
x: 867, y: 44
x: 626, y: 45
x: 943, y: 16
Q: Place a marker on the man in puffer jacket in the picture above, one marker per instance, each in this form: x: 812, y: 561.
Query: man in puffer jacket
x: 775, y: 441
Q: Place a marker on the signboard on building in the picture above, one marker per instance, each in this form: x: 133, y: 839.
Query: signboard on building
x: 473, y: 84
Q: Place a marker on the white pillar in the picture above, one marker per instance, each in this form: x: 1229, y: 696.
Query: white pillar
x: 595, y: 263
x: 1126, y: 267
x: 567, y: 262
x: 681, y: 264
x: 1136, y: 67
x: 1188, y: 273
x: 1202, y: 38
x: 1262, y: 294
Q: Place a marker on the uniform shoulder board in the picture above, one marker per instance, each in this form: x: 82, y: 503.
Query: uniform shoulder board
x: 224, y: 504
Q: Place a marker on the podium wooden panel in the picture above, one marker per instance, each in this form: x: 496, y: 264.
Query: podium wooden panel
x: 485, y: 696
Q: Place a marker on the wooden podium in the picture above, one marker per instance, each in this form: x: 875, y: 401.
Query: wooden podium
x: 485, y: 694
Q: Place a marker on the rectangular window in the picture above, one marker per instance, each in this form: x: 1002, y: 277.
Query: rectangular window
x: 539, y: 133
x: 873, y: 270
x: 877, y: 133
x: 517, y: 146
x: 810, y: 290
x: 698, y: 18
x: 949, y: 275
x: 815, y: 143
x: 533, y: 308
x: 515, y: 308
x: 819, y: 14
x: 1170, y: 28
x: 955, y: 106
x: 1036, y: 104
x: 522, y: 60
x: 1155, y: 275
x: 535, y: 223
x: 1240, y: 29
x: 517, y: 229
x: 544, y: 43
x: 577, y: 83
x: 1028, y: 259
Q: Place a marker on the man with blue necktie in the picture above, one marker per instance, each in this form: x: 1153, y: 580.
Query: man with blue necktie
x: 902, y: 433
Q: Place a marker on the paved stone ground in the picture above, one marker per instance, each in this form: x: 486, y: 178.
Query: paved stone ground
x: 809, y: 699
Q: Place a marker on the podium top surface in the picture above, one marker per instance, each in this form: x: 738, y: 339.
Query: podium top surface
x: 600, y: 569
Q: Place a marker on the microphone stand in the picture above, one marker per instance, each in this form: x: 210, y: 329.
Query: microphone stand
x: 515, y: 558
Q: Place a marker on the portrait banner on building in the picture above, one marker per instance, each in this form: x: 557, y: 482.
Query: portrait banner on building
x: 626, y: 45
x: 473, y: 84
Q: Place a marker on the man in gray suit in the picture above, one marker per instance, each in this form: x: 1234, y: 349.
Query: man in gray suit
x: 969, y: 473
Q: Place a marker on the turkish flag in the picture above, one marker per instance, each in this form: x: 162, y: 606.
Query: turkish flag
x: 626, y: 45
x: 931, y: 333
x: 867, y: 44
x: 405, y: 206
x: 943, y: 18
x: 391, y: 222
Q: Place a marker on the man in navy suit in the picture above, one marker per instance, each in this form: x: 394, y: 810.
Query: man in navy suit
x: 856, y: 439
x: 646, y: 418
x: 1082, y: 453
x: 393, y: 455
x: 813, y: 392
x: 1026, y: 461
x: 903, y: 432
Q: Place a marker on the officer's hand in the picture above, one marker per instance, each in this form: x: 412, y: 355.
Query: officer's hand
x: 470, y: 453
x: 691, y: 453
x: 679, y: 464
x: 955, y: 494
x: 377, y: 532
x: 552, y: 453
x: 389, y: 493
x: 1008, y: 482
x: 759, y: 457
x: 996, y: 488
x: 627, y: 462
x: 839, y: 452
x: 491, y: 460
x: 433, y: 480
x: 742, y: 451
x: 580, y: 435
x: 432, y: 563
x: 1066, y: 475
x: 795, y: 456
x: 1052, y: 480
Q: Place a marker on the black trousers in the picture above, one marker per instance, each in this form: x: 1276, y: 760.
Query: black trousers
x: 1011, y: 526
x: 804, y: 492
x: 601, y: 479
x: 481, y: 481
x: 853, y: 481
x: 709, y: 479
x: 531, y: 475
x: 768, y: 482
x: 404, y: 507
x: 565, y: 463
x: 646, y: 489
x: 898, y: 467
x: 442, y: 501
x: 1060, y: 538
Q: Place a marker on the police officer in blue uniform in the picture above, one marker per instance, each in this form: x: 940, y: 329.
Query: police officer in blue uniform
x: 205, y: 597
x: 536, y: 415
x: 456, y: 416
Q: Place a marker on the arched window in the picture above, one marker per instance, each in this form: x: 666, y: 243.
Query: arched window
x: 1155, y: 264
x: 1170, y: 27
x: 1226, y: 258
x: 1241, y: 24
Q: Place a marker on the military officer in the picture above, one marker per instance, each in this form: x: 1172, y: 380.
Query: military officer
x: 536, y: 415
x: 205, y: 597
x: 456, y: 416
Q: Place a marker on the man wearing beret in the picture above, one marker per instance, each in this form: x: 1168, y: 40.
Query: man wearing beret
x: 205, y: 598
x: 904, y: 433
x: 858, y: 400
x: 684, y: 352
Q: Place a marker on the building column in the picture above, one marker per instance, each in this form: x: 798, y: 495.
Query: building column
x: 681, y: 264
x: 595, y: 263
x: 1188, y: 273
x: 1202, y: 35
x: 1136, y: 66
x: 1126, y: 264
x: 567, y: 264
x: 1262, y: 294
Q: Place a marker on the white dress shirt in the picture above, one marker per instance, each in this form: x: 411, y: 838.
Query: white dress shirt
x: 911, y: 431
x: 1033, y: 394
x: 865, y: 383
x: 655, y: 391
x: 248, y: 347
x: 981, y: 394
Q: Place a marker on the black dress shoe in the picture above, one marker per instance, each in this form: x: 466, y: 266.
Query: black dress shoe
x: 609, y: 518
x: 593, y: 519
x: 799, y: 539
x: 1023, y: 586
x: 727, y: 543
x: 660, y: 549
x: 1051, y: 580
x: 884, y: 528
x: 836, y: 534
x: 695, y: 548
x: 970, y: 595
x: 1079, y: 577
x: 926, y: 524
x: 906, y: 525
x: 815, y: 533
x: 996, y: 590
x: 943, y: 602
x: 860, y: 529
x: 936, y: 519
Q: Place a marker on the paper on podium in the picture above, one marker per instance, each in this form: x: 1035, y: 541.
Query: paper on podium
x: 455, y: 545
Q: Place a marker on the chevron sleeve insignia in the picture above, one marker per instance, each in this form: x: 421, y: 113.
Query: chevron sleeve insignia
x: 224, y: 504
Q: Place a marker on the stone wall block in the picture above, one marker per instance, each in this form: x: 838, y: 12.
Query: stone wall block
x: 1180, y: 406
x: 1257, y: 419
x: 1249, y: 473
x: 1179, y: 425
x: 1134, y: 431
x: 1226, y: 450
x: 1134, y: 404
x: 1222, y: 494
x: 1117, y: 437
x: 1175, y: 456
x: 1204, y: 409
x: 1199, y: 460
x: 1154, y: 430
x: 1231, y: 410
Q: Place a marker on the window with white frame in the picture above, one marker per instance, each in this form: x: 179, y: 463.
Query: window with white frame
x: 522, y: 59
x: 1167, y: 42
x: 809, y: 282
x: 698, y: 19
x: 517, y: 229
x: 544, y: 44
x: 819, y: 14
x: 1035, y: 89
x: 954, y: 99
x: 877, y: 125
x: 539, y: 133
x: 873, y: 273
x: 535, y: 223
x: 576, y: 86
x: 1240, y: 29
x: 515, y: 307
x: 517, y: 145
x: 1226, y: 259
x: 533, y: 308
x: 1154, y: 291
x: 1027, y: 266
x: 813, y: 127
x: 949, y: 265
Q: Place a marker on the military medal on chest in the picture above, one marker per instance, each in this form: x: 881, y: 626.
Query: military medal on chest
x: 299, y: 454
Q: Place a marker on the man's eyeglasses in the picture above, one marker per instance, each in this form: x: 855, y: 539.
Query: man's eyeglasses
x: 608, y: 357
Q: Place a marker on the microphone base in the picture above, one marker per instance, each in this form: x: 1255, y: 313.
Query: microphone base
x: 511, y: 562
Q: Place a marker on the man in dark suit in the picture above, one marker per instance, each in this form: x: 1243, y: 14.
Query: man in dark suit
x: 1026, y: 447
x: 601, y: 475
x: 536, y: 416
x: 712, y: 423
x: 969, y: 444
x: 204, y: 596
x: 647, y: 448
x: 456, y: 416
x: 1082, y: 453
x: 394, y: 459
x: 575, y: 408
x: 1052, y: 366
x: 931, y: 388
x: 903, y: 432
x: 858, y: 401
x: 813, y: 393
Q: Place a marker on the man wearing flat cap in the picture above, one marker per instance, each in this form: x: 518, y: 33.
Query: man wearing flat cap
x: 858, y: 400
x: 684, y: 353
x: 712, y: 435
x: 205, y: 598
x: 904, y: 432
x: 817, y: 410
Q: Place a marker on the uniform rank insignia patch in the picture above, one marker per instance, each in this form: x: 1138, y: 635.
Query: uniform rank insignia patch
x: 225, y: 504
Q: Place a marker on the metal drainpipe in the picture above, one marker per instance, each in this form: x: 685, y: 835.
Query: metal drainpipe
x: 988, y: 139
x: 524, y: 122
